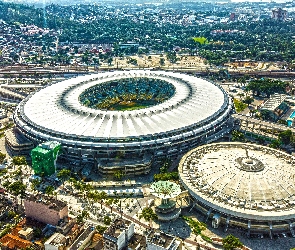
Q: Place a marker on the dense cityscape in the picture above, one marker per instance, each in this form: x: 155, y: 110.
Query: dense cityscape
x: 147, y: 125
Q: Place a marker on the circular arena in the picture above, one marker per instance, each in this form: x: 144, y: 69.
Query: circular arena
x: 123, y: 120
x: 242, y: 185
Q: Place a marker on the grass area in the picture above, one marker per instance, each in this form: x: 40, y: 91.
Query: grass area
x: 132, y: 105
x: 239, y: 105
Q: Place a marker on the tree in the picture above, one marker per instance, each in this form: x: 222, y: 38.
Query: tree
x: 19, y: 160
x: 283, y: 122
x: 275, y: 144
x: 238, y: 136
x: 17, y: 188
x: 286, y: 136
x: 266, y: 115
x: 267, y: 86
x: 37, y: 232
x: 166, y: 176
x: 239, y: 105
x: 110, y: 60
x: 148, y: 214
x: 100, y: 229
x: 2, y: 157
x: 83, y: 216
x: 248, y: 100
x: 64, y: 174
x: 162, y: 61
x: 231, y: 242
x: 35, y: 183
x: 107, y: 220
x: 101, y: 197
x: 49, y: 190
x: 109, y: 202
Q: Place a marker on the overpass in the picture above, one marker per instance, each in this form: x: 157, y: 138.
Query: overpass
x: 261, y: 127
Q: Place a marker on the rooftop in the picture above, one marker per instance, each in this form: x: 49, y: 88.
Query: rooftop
x: 274, y: 101
x: 56, y: 239
x: 117, y: 227
x: 137, y: 242
x: 47, y: 146
x: 58, y: 104
x: 160, y: 239
x: 52, y: 203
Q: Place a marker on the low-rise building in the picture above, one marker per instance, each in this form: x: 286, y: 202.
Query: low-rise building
x: 161, y: 241
x: 56, y: 242
x: 137, y: 242
x: 118, y: 234
x: 26, y: 233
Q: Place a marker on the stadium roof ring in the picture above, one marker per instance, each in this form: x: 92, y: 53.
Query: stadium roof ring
x: 194, y: 110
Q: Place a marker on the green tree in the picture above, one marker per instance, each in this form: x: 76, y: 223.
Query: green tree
x: 101, y: 197
x: 83, y: 216
x: 64, y: 174
x: 17, y: 188
x: 238, y: 136
x: 267, y: 86
x: 49, y: 190
x: 285, y: 136
x: 35, y: 183
x: 110, y: 60
x: 107, y: 220
x: 37, y: 232
x: 248, y: 100
x: 100, y: 229
x: 2, y: 157
x: 19, y: 160
x: 148, y: 214
x: 239, y: 105
x: 231, y: 242
x: 266, y: 115
x: 275, y: 144
x: 166, y: 176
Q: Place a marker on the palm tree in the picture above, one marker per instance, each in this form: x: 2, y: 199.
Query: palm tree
x: 101, y: 197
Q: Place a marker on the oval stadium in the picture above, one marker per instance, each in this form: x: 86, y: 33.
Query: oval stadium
x: 123, y: 120
x: 242, y: 185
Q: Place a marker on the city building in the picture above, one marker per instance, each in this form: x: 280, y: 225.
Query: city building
x: 275, y: 106
x: 46, y: 210
x: 56, y: 242
x: 279, y: 14
x: 242, y: 185
x: 118, y: 234
x: 121, y: 235
x: 44, y: 157
x: 67, y: 112
x: 17, y: 142
x: 161, y: 241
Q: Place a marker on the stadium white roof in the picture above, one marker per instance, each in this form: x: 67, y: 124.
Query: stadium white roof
x: 57, y: 107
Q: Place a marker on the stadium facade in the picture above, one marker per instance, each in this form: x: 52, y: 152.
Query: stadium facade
x: 183, y: 111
